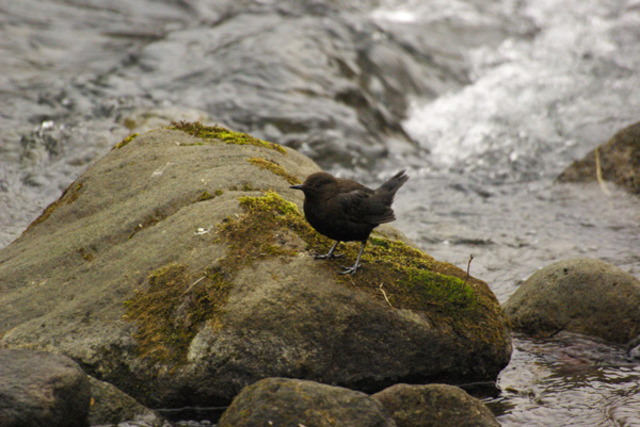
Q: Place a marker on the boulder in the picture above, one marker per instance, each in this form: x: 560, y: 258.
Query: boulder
x: 434, y: 405
x: 619, y: 161
x: 179, y: 268
x: 291, y: 402
x: 583, y: 295
x: 109, y: 405
x: 42, y: 389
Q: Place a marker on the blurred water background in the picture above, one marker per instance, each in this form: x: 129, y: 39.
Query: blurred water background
x: 483, y: 102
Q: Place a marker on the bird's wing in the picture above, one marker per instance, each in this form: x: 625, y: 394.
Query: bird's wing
x: 364, y: 206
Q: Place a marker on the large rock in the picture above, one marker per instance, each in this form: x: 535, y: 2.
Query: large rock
x: 178, y: 269
x: 619, y: 161
x: 290, y: 402
x: 434, y: 405
x: 586, y: 296
x: 42, y: 389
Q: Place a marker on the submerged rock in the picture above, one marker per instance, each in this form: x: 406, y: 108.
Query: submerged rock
x: 434, y: 405
x: 291, y: 402
x: 42, y: 389
x: 179, y: 269
x: 618, y: 158
x: 583, y: 295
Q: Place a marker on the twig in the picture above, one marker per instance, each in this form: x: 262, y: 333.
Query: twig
x: 468, y: 267
x: 385, y: 296
x: 603, y: 185
x: 193, y: 284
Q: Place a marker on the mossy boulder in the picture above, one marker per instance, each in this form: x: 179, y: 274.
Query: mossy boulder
x: 581, y: 295
x: 617, y: 161
x: 179, y: 268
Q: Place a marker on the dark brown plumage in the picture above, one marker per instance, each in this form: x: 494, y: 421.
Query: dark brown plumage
x: 345, y: 210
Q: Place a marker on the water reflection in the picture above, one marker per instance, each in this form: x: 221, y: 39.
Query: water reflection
x: 568, y: 380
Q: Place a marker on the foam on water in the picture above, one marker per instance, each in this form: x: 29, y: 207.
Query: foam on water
x: 546, y: 97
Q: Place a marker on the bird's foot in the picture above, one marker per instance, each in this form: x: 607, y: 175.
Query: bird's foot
x: 331, y: 254
x: 327, y: 256
x: 349, y: 270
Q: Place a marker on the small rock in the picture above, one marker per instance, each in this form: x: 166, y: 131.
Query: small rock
x: 42, y: 389
x: 586, y: 296
x: 110, y: 405
x: 290, y: 402
x: 434, y: 405
x: 634, y: 348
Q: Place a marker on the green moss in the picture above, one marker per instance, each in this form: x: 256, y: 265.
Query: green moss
x: 69, y: 196
x: 263, y: 217
x: 271, y: 202
x: 410, y: 278
x: 86, y: 255
x: 125, y: 141
x: 175, y: 303
x: 171, y: 309
x: 204, y: 196
x: 225, y: 135
x: 275, y: 168
x: 392, y: 272
x: 208, y: 196
x: 149, y: 221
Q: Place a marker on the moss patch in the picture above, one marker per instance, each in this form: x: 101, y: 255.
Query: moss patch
x: 125, y: 141
x: 225, y: 135
x: 69, y: 196
x: 392, y: 272
x: 410, y: 279
x: 171, y: 309
x: 208, y: 196
x: 260, y: 232
x: 149, y: 221
x: 85, y: 254
x: 174, y: 305
x: 275, y: 168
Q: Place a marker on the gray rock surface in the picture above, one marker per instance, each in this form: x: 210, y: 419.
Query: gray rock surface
x: 41, y: 389
x: 435, y: 405
x: 291, y: 402
x: 582, y: 295
x: 109, y: 405
x: 171, y: 270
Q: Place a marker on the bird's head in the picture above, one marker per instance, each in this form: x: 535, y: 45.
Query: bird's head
x: 315, y: 184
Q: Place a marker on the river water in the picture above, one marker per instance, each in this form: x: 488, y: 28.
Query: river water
x: 491, y: 101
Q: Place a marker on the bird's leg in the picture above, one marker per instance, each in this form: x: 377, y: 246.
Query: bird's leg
x: 354, y: 267
x: 330, y: 254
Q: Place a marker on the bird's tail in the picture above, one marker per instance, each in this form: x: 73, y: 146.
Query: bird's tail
x: 388, y: 190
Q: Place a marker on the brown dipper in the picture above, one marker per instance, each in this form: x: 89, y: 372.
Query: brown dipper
x: 345, y: 211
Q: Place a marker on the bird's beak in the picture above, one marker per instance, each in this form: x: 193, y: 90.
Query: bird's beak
x: 297, y: 187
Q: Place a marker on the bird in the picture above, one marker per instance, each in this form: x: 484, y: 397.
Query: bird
x: 345, y: 210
